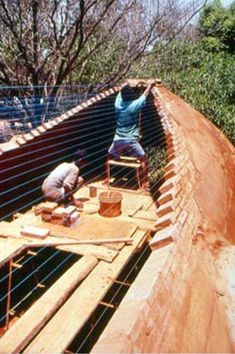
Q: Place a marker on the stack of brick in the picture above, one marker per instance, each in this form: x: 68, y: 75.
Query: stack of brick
x: 51, y: 212
x: 177, y: 209
x: 65, y: 216
x: 46, y: 210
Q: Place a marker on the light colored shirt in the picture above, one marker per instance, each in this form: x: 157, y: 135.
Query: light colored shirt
x: 127, y: 117
x: 65, y: 175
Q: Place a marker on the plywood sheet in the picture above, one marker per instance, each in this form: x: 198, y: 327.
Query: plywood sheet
x: 89, y: 227
x: 17, y: 243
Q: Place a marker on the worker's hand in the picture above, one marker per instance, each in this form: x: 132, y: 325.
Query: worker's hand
x: 125, y: 84
x: 141, y: 83
x: 78, y: 203
x: 151, y: 83
x: 80, y: 181
x: 132, y: 82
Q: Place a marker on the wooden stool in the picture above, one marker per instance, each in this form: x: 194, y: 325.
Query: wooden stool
x: 130, y: 162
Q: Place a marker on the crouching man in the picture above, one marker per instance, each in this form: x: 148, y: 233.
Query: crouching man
x: 64, y: 180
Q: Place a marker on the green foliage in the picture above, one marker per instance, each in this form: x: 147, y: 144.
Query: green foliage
x: 207, y: 82
x: 217, y: 24
x: 202, y: 72
x: 157, y: 159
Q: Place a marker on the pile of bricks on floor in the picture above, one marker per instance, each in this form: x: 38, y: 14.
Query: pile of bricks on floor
x: 51, y: 212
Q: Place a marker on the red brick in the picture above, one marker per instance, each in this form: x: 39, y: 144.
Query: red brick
x: 69, y: 210
x: 168, y: 185
x: 35, y: 132
x: 53, y: 122
x: 165, y: 198
x: 165, y: 208
x: 162, y: 238
x: 41, y: 129
x: 49, y: 206
x: 20, y: 140
x: 169, y: 174
x: 176, y: 163
x: 171, y: 150
x: 28, y: 136
x: 59, y: 119
x: 172, y: 156
x: 164, y: 221
x: 74, y: 217
x: 47, y: 125
x: 7, y: 146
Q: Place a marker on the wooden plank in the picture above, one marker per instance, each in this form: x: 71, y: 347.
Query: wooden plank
x: 103, y: 253
x: 85, y: 242
x: 124, y: 163
x: 19, y: 335
x: 10, y: 249
x: 13, y: 246
x: 146, y: 215
x: 133, y: 212
x: 129, y: 158
x: 9, y: 229
x: 100, y: 252
x: 58, y: 333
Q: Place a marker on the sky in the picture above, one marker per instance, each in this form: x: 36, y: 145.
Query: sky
x: 226, y: 2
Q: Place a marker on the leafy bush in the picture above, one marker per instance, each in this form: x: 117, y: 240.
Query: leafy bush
x: 157, y: 159
x: 203, y: 78
x: 208, y: 83
x: 201, y: 69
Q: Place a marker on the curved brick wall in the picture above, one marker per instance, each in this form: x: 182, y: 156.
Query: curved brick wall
x: 183, y: 299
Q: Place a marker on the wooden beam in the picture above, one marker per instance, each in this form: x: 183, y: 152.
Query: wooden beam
x: 124, y: 163
x: 11, y: 248
x: 9, y: 295
x: 124, y: 240
x: 19, y: 335
x: 103, y: 253
x: 68, y: 321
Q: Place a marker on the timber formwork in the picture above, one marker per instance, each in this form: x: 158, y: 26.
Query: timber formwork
x: 183, y: 298
x: 69, y: 303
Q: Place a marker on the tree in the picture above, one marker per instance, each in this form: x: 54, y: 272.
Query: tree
x: 200, y: 69
x: 217, y: 24
x: 45, y: 43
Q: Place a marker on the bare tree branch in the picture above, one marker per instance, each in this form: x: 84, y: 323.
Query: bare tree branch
x: 47, y: 41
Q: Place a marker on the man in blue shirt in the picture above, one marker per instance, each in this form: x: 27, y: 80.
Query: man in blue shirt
x: 126, y: 137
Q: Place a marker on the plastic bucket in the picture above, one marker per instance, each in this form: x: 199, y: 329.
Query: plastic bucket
x: 110, y: 204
